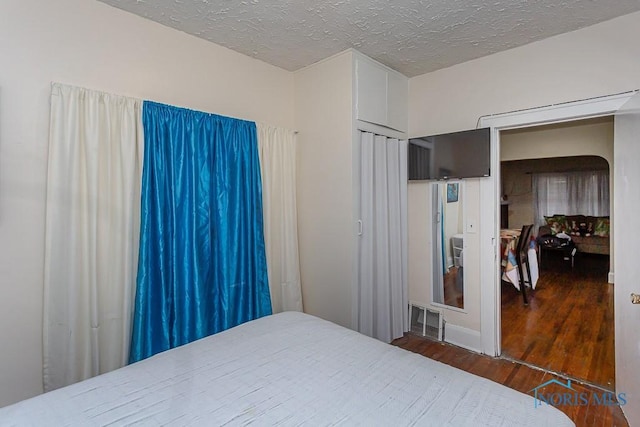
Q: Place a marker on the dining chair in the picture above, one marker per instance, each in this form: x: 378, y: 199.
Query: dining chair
x: 522, y: 260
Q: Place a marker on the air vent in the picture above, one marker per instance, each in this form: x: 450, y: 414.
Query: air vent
x: 426, y: 322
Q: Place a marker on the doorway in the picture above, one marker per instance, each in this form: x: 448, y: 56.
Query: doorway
x: 626, y: 108
x: 561, y: 172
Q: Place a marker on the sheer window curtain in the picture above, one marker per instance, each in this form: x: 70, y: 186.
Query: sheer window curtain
x: 381, y: 294
x: 277, y: 150
x: 570, y: 193
x: 92, y: 230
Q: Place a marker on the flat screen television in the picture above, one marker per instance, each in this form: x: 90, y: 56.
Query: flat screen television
x: 465, y: 154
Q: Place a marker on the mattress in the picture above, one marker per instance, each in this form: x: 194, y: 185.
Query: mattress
x: 286, y: 369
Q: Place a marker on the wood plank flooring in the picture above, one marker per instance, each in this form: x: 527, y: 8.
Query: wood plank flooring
x: 452, y: 296
x: 568, y: 326
x: 513, y: 375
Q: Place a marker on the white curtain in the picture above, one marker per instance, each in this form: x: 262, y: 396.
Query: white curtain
x: 381, y: 291
x: 277, y: 149
x: 438, y: 192
x: 570, y: 193
x: 92, y: 232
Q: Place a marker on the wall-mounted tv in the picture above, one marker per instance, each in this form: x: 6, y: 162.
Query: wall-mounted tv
x: 465, y: 154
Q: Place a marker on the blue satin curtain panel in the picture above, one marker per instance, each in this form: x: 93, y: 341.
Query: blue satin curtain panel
x: 202, y: 265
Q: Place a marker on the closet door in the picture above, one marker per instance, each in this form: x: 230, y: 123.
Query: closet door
x: 381, y: 297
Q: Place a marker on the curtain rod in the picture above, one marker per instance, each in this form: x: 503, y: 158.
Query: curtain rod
x: 55, y: 83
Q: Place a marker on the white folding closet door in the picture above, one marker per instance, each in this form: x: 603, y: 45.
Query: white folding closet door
x: 364, y: 298
x: 382, y: 298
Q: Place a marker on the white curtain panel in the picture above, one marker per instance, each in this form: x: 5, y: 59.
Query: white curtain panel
x: 277, y: 150
x: 570, y: 193
x: 438, y: 259
x: 92, y: 232
x: 381, y: 295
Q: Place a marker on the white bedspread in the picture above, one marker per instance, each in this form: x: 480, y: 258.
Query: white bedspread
x: 286, y: 369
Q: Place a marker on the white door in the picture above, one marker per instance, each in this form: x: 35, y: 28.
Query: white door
x: 626, y: 205
x: 380, y: 298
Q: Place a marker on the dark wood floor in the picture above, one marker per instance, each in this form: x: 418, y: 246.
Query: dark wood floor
x: 453, y: 294
x: 568, y: 326
x: 513, y: 375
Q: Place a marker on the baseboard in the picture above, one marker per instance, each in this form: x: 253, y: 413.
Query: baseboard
x: 611, y: 277
x: 463, y: 337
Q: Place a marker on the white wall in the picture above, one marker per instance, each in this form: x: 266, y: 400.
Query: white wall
x: 323, y: 114
x: 595, y: 61
x: 87, y: 43
x: 581, y: 138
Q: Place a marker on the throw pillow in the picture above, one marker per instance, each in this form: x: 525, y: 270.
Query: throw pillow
x: 586, y: 228
x: 602, y: 227
x: 557, y: 223
x: 574, y: 228
x: 573, y: 224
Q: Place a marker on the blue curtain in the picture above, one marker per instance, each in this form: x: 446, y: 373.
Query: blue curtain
x: 202, y: 265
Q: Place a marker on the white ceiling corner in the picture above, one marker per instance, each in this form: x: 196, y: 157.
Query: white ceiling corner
x: 411, y: 36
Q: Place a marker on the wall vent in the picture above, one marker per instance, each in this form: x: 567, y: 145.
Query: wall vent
x: 426, y: 322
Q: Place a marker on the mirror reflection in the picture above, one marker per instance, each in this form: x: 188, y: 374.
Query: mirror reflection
x: 448, y: 243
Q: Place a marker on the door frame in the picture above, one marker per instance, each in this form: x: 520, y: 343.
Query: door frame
x: 490, y: 313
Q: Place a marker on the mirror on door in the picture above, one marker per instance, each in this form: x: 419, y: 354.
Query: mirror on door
x: 448, y: 243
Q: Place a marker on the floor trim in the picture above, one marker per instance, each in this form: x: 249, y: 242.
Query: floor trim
x: 558, y: 374
x: 463, y: 337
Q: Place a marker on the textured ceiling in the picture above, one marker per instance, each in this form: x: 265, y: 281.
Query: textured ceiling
x: 411, y: 36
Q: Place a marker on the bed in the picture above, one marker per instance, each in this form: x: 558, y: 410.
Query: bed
x: 285, y: 369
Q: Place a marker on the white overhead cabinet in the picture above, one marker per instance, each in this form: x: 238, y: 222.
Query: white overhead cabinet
x: 381, y: 95
x: 397, y: 101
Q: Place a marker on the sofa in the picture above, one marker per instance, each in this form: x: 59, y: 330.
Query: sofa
x: 590, y: 234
